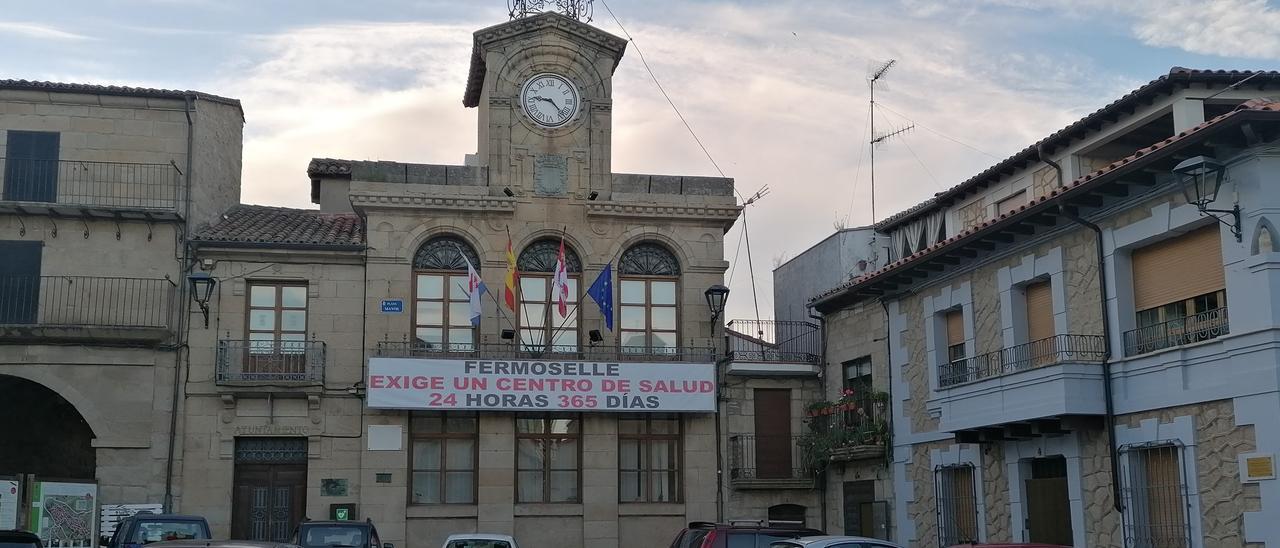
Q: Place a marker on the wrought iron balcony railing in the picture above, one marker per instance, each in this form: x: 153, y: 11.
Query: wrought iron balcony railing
x: 773, y: 341
x: 766, y: 457
x: 90, y: 184
x: 270, y: 362
x: 1041, y: 353
x: 1206, y: 325
x: 395, y: 349
x: 85, y: 301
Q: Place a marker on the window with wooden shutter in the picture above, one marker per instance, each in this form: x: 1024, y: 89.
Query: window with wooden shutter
x: 957, y: 504
x: 955, y: 335
x: 1039, y: 311
x: 1012, y: 203
x: 1178, y: 269
x: 1178, y: 292
x: 1155, y: 494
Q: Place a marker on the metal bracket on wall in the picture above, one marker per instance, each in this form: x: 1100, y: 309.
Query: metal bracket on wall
x: 22, y: 227
x: 117, y: 229
x: 86, y: 228
x: 148, y: 231
x: 54, y: 233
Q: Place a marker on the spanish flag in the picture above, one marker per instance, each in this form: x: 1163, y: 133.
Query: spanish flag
x: 509, y: 292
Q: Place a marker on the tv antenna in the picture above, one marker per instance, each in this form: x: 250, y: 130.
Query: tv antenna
x: 878, y: 72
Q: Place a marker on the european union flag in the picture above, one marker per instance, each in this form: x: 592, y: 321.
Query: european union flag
x: 601, y: 292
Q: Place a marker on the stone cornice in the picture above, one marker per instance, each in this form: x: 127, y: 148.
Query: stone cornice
x: 663, y: 211
x: 374, y: 201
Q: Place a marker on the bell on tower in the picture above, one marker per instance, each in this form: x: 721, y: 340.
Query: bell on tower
x: 576, y: 9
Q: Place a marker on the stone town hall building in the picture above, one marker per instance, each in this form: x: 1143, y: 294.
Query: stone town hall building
x: 263, y: 398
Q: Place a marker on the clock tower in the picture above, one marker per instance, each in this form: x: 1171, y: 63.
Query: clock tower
x: 543, y: 87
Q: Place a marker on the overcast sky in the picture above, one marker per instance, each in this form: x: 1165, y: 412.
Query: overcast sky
x: 776, y: 90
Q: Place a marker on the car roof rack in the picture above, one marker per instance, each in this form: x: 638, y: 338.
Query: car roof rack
x: 752, y: 522
x: 701, y: 524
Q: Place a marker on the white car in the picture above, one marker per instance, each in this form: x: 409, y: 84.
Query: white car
x: 480, y: 540
x: 833, y: 542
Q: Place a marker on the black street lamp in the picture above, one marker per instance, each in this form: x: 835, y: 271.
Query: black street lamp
x: 1201, y: 179
x: 716, y: 296
x: 202, y: 285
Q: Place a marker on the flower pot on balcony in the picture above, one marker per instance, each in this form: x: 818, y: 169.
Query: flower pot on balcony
x: 857, y: 452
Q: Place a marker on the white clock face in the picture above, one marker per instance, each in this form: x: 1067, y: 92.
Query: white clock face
x: 549, y: 99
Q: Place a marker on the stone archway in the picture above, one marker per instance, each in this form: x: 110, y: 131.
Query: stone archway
x: 43, y: 433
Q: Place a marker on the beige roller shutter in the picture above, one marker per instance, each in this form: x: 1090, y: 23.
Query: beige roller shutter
x: 1039, y: 311
x: 955, y: 328
x: 1177, y: 269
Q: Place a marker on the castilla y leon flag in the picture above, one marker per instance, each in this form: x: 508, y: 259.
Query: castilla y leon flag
x: 509, y: 291
x: 560, y: 283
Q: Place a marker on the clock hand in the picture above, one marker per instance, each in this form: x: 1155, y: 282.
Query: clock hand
x: 548, y: 99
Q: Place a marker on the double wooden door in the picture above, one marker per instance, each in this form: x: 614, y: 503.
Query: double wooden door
x: 773, y: 433
x: 1048, y: 504
x: 269, y: 501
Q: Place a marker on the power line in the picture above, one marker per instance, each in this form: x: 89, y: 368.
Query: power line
x: 922, y: 166
x: 938, y: 133
x: 746, y: 233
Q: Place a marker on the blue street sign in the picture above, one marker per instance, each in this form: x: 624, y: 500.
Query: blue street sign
x: 392, y: 306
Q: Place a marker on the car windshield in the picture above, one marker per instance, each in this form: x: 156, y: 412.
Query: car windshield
x: 478, y: 543
x: 159, y: 531
x: 336, y: 535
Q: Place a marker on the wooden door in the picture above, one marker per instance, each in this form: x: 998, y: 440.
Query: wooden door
x: 773, y: 433
x: 19, y: 282
x: 31, y: 166
x: 268, y: 501
x: 1048, y: 504
x: 856, y: 495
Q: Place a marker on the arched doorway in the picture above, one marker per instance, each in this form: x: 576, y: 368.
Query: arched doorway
x: 43, y: 433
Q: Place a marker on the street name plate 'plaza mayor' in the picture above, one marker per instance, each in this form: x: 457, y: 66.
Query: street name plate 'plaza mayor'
x: 530, y: 385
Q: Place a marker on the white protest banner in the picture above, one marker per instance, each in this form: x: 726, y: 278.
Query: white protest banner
x: 532, y: 385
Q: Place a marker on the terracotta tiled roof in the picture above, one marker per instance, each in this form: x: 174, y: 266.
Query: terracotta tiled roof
x: 264, y: 226
x: 1164, y: 84
x: 1250, y: 106
x: 64, y: 87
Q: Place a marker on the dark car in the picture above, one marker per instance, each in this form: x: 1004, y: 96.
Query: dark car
x: 19, y: 539
x: 739, y: 534
x: 146, y: 528
x: 221, y: 544
x: 338, y: 534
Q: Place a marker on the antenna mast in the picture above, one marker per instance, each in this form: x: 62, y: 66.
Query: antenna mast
x: 876, y: 74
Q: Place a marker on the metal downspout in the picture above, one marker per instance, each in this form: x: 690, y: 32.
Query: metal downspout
x: 822, y: 386
x: 184, y: 268
x: 1110, y: 416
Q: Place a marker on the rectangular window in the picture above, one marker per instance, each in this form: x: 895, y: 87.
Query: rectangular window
x: 31, y: 166
x: 443, y: 458
x: 1155, y: 494
x: 277, y: 327
x: 647, y: 317
x: 857, y: 373
x: 548, y: 468
x: 649, y: 458
x: 442, y: 312
x: 955, y: 335
x: 1178, y: 292
x: 540, y: 321
x: 1012, y: 203
x: 957, y: 505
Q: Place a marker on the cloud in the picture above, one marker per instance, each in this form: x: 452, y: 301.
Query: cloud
x: 776, y: 92
x: 1238, y: 28
x: 36, y: 30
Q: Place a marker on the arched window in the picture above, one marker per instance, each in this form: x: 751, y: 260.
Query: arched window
x: 649, y: 274
x: 540, y: 322
x: 442, y: 310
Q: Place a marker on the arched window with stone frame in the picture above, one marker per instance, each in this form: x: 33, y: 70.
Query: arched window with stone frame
x: 442, y: 308
x: 649, y: 303
x: 541, y: 326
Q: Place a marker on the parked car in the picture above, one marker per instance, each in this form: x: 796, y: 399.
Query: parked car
x: 19, y: 539
x: 341, y: 534
x: 220, y: 544
x: 834, y: 542
x: 739, y: 534
x: 145, y: 528
x: 479, y: 540
x: 1010, y: 545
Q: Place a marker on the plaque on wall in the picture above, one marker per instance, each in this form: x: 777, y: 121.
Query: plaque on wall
x: 550, y: 174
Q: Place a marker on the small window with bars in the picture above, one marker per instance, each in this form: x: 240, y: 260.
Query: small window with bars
x: 957, y: 504
x: 1154, y: 487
